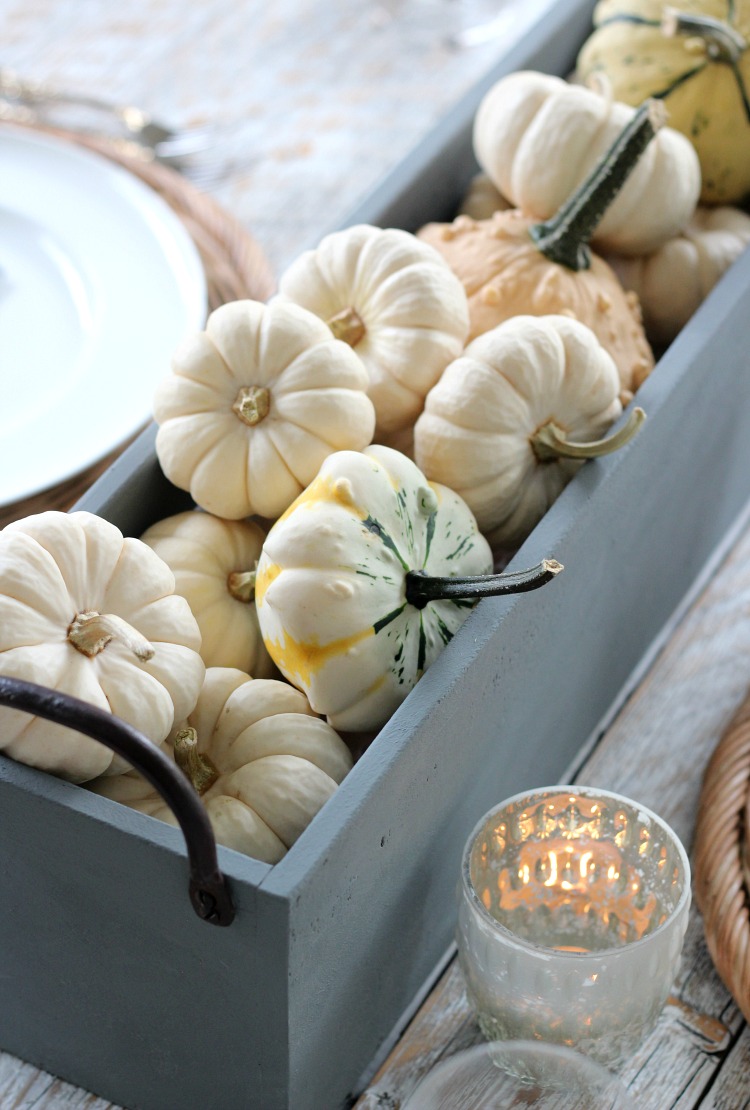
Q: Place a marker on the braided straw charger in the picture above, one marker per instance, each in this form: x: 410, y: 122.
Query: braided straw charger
x: 234, y: 264
x: 721, y: 858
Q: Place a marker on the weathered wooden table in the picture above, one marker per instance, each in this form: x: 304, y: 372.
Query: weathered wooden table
x: 324, y: 99
x: 654, y: 750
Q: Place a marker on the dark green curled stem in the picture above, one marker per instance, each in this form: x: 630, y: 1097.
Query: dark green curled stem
x: 564, y: 238
x: 550, y: 442
x: 421, y: 588
x: 723, y: 43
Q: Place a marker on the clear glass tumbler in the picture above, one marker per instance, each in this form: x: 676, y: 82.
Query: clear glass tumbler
x: 529, y: 1075
x: 574, y: 905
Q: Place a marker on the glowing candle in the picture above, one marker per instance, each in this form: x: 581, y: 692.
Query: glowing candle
x: 573, y: 912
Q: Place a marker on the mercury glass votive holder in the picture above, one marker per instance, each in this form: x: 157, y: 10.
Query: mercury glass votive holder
x: 573, y: 910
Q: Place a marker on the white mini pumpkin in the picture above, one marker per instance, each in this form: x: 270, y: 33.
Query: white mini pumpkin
x: 262, y: 762
x: 214, y: 563
x: 510, y: 422
x: 253, y: 406
x: 366, y: 578
x: 395, y: 301
x: 88, y: 612
x: 537, y: 137
x: 674, y: 281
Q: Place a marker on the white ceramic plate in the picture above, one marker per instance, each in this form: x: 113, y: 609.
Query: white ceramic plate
x: 99, y: 282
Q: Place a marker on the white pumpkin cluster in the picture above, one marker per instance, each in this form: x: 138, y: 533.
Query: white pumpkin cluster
x: 493, y: 355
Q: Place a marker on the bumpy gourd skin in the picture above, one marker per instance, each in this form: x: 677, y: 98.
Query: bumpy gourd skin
x: 505, y: 275
x: 331, y: 581
x: 707, y: 98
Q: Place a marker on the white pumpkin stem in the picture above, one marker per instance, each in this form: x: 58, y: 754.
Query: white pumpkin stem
x: 421, y: 588
x: 241, y: 585
x: 252, y: 404
x: 564, y: 238
x: 550, y: 442
x: 348, y: 326
x: 722, y: 41
x: 90, y: 632
x: 198, y: 767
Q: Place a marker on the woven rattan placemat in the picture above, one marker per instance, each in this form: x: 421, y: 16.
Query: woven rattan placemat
x: 720, y: 857
x: 235, y: 268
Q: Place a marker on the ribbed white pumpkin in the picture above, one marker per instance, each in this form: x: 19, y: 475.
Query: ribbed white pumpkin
x: 395, y: 301
x: 263, y: 763
x: 486, y: 424
x: 330, y: 589
x: 88, y: 612
x: 674, y: 281
x: 254, y: 405
x: 537, y: 137
x: 214, y: 564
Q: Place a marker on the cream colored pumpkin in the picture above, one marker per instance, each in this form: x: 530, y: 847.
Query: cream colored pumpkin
x: 262, y: 762
x: 254, y: 405
x: 498, y: 426
x: 674, y: 281
x: 538, y: 137
x: 214, y: 564
x: 395, y: 301
x: 362, y: 583
x: 88, y: 612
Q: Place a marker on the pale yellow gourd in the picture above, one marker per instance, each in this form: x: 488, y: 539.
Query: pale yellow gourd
x: 693, y: 55
x: 253, y: 406
x: 538, y: 137
x: 214, y: 563
x: 366, y: 578
x: 262, y: 762
x: 395, y: 301
x: 674, y: 281
x: 511, y: 421
x: 93, y: 614
x: 512, y: 265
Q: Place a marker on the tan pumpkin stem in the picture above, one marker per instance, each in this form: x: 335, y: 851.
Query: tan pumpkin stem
x: 252, y: 404
x: 201, y: 770
x: 90, y: 632
x: 241, y: 585
x: 549, y: 442
x: 348, y: 326
x: 723, y: 42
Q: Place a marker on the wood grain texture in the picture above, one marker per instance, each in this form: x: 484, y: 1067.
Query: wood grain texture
x: 322, y: 98
x: 655, y: 751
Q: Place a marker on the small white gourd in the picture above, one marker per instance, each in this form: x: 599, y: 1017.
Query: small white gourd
x: 538, y: 137
x: 262, y: 762
x: 674, y: 281
x: 395, y: 301
x: 511, y: 420
x: 214, y: 563
x: 91, y: 613
x: 254, y: 405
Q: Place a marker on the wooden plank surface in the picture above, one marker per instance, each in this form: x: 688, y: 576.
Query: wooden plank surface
x: 655, y: 751
x: 323, y: 100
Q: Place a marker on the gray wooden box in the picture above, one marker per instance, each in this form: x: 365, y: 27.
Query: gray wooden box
x: 111, y: 981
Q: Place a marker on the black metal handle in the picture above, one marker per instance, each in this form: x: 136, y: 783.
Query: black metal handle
x: 209, y: 889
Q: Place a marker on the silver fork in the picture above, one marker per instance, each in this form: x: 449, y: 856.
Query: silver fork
x: 26, y: 101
